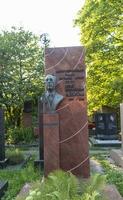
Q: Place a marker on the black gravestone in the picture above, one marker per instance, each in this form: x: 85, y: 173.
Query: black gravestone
x: 40, y: 162
x: 3, y: 187
x: 2, y: 140
x: 106, y: 126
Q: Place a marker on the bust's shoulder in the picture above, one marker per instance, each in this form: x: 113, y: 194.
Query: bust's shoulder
x: 58, y: 96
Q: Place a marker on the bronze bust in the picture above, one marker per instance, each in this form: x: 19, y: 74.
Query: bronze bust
x: 51, y: 98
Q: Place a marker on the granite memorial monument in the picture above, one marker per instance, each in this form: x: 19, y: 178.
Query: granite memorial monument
x: 63, y: 124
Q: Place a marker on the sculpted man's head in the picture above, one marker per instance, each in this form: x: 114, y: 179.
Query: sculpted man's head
x: 50, y: 82
x: 51, y: 98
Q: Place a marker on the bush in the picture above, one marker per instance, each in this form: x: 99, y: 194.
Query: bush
x: 15, y: 156
x: 61, y: 185
x: 17, y: 135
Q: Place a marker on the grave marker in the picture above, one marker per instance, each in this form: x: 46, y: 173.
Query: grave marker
x: 3, y: 160
x: 106, y: 126
x: 69, y: 148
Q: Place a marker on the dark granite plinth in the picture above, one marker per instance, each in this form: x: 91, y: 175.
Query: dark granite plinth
x: 105, y: 143
x: 107, y: 137
x: 2, y: 137
x: 3, y: 187
x: 106, y: 126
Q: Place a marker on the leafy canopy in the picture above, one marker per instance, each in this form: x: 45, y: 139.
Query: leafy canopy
x: 101, y: 26
x: 21, y: 69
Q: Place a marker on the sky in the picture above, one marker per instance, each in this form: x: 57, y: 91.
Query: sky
x: 54, y: 17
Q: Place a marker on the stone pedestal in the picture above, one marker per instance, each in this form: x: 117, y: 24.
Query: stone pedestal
x: 51, y: 142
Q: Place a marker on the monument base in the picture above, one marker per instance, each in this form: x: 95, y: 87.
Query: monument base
x: 117, y: 156
x: 105, y: 143
x: 3, y: 187
x: 107, y: 137
x: 3, y: 163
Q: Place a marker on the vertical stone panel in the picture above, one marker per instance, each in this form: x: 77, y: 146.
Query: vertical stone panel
x: 51, y: 142
x: 67, y: 64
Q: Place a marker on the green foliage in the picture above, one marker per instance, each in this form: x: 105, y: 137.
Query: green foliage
x: 101, y: 26
x: 62, y: 185
x: 16, y: 179
x: 21, y: 69
x: 93, y: 187
x: 19, y: 135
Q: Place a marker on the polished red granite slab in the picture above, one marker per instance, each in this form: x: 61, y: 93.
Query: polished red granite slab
x: 51, y: 142
x: 67, y: 64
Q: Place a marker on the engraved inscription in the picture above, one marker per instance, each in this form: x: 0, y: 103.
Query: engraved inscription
x: 73, y: 83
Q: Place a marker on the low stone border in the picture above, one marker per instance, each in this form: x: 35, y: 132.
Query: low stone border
x: 21, y: 145
x: 19, y: 166
x: 111, y: 193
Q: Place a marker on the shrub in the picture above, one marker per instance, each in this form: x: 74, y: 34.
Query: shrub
x: 15, y: 156
x: 17, y: 135
x: 61, y: 185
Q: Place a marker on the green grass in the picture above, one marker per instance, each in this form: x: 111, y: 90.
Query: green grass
x: 17, y: 178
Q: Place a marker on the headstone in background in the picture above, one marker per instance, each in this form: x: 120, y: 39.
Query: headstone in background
x: 39, y: 163
x: 106, y: 126
x: 117, y: 155
x: 27, y: 114
x: 3, y: 160
x: 3, y: 187
x: 67, y: 64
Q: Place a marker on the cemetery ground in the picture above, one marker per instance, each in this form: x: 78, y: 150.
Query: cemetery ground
x: 18, y: 175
